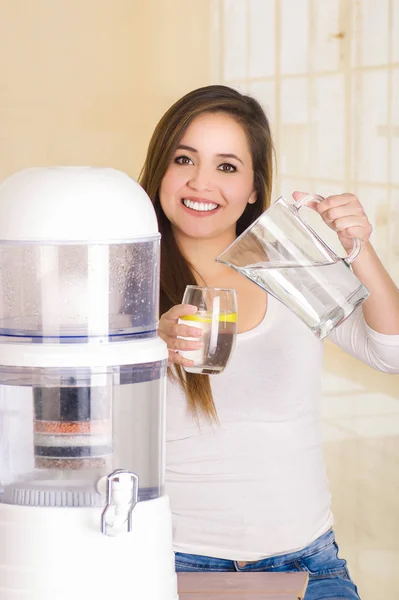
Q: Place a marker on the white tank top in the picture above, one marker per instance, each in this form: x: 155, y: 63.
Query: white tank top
x: 255, y: 485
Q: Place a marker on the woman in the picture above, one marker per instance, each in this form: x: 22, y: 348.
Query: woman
x: 245, y: 471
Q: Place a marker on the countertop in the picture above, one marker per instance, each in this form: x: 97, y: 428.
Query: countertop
x: 242, y: 586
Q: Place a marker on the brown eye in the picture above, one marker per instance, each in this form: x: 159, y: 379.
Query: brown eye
x: 183, y: 160
x: 227, y: 168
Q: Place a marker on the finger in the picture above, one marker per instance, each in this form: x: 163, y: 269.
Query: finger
x: 179, y: 310
x: 345, y: 223
x: 182, y: 344
x: 339, y: 212
x: 299, y: 195
x: 361, y: 233
x: 349, y: 200
x: 172, y: 329
x: 176, y: 359
x: 187, y: 330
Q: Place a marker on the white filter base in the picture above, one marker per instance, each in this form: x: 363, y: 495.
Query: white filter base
x: 61, y: 554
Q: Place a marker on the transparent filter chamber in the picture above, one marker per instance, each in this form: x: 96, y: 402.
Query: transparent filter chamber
x: 75, y: 292
x: 63, y: 431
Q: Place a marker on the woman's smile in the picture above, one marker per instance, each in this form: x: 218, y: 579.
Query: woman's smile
x: 199, y: 207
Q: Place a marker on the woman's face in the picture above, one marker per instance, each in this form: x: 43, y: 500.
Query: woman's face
x: 210, y: 178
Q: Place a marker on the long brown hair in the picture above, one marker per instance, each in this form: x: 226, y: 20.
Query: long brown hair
x: 176, y: 271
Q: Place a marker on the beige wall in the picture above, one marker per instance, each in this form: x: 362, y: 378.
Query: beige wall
x: 84, y: 81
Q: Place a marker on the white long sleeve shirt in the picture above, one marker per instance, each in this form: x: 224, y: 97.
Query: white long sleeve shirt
x: 255, y: 485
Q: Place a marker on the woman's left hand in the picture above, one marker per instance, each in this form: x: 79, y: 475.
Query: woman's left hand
x: 345, y: 215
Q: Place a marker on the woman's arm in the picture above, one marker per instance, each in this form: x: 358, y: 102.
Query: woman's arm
x: 381, y: 309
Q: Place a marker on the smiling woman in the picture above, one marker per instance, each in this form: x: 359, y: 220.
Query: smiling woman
x: 239, y: 447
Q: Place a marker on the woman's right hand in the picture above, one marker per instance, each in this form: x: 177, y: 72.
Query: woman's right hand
x: 170, y: 330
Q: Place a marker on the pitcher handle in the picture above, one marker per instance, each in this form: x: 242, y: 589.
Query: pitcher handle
x: 357, y: 245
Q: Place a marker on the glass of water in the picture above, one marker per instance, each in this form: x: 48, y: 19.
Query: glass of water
x: 217, y: 317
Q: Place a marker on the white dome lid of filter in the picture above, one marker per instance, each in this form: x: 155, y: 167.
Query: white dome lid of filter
x: 74, y: 204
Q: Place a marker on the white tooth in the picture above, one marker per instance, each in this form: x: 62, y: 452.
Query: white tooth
x: 199, y: 206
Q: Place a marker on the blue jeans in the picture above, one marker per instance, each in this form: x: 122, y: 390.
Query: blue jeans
x: 328, y: 574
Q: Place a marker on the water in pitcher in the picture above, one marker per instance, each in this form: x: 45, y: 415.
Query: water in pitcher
x: 218, y: 340
x: 321, y: 295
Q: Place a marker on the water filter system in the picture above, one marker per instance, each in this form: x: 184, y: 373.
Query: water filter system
x: 83, y: 510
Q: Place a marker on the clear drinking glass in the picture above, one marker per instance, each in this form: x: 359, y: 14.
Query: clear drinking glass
x: 217, y: 317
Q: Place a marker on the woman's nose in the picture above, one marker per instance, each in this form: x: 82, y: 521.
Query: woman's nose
x: 200, y: 180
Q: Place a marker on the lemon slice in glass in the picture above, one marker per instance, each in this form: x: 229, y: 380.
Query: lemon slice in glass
x: 206, y: 317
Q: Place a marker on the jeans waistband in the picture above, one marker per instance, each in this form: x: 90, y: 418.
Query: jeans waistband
x: 326, y: 539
